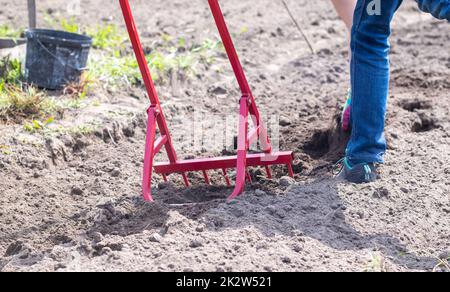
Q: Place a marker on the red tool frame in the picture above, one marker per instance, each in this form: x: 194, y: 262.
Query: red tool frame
x: 245, y: 137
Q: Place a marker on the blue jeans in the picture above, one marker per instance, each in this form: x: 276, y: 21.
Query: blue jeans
x: 370, y: 74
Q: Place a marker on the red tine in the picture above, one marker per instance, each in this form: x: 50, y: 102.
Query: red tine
x: 227, y: 179
x: 186, y: 181
x: 205, y: 174
x: 269, y: 173
x: 249, y: 177
x: 291, y: 170
x: 165, y: 178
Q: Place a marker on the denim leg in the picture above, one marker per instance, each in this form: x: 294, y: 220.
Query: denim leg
x: 370, y: 79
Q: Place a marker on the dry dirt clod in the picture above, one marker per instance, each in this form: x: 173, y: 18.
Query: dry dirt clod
x: 115, y: 172
x: 97, y: 237
x: 155, y: 237
x: 237, y: 212
x: 271, y: 209
x: 81, y: 143
x: 381, y: 193
x: 76, y: 191
x: 297, y: 248
x: 219, y: 90
x: 404, y: 190
x: 260, y: 193
x: 129, y: 131
x: 14, y: 248
x: 284, y: 121
x: 196, y: 243
x: 286, y: 181
x: 286, y: 260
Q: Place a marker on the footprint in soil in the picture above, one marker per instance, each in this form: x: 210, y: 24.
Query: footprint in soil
x: 424, y: 119
x: 425, y: 122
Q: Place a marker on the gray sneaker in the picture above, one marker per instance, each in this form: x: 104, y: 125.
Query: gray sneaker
x: 358, y: 174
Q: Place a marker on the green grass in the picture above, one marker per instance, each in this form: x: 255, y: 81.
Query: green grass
x: 7, y: 32
x: 104, y: 36
x: 5, y: 149
x: 10, y: 72
x: 17, y: 100
x: 114, y: 71
x: 168, y: 59
x: 18, y: 103
x: 82, y: 88
x: 70, y: 25
x: 78, y: 130
x: 36, y: 125
x: 114, y: 66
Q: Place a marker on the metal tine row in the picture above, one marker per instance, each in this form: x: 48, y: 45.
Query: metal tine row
x: 227, y: 179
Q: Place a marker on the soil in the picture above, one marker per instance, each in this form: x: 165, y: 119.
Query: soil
x: 72, y: 202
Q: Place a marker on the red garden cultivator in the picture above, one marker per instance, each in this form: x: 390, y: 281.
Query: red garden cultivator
x: 246, y: 137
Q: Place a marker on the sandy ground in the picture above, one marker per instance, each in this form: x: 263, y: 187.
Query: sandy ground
x: 72, y: 203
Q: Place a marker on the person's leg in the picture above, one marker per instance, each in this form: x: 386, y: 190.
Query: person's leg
x: 370, y: 79
x: 345, y: 9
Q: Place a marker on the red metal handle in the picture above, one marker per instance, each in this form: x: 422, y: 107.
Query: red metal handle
x: 229, y: 47
x: 147, y: 77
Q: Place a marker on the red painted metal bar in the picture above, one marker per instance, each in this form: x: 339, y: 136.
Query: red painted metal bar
x: 147, y: 77
x: 160, y: 143
x: 249, y: 177
x: 205, y: 175
x: 247, y: 107
x: 149, y: 155
x: 253, y: 136
x: 269, y: 172
x: 185, y: 179
x: 253, y: 160
x: 227, y: 179
x: 290, y: 169
x: 239, y: 72
x: 229, y: 47
x: 241, y: 168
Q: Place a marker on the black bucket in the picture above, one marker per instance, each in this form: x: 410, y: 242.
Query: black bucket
x: 55, y: 58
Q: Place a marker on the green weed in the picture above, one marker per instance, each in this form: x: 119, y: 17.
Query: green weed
x: 114, y: 66
x: 36, y: 125
x: 10, y: 72
x: 5, y: 149
x: 106, y: 36
x: 7, y: 32
x: 81, y: 88
x: 17, y: 103
x: 70, y: 25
